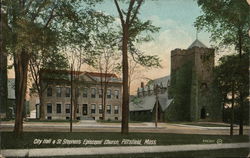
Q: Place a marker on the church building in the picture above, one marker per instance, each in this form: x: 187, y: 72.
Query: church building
x: 192, y: 84
x: 186, y: 95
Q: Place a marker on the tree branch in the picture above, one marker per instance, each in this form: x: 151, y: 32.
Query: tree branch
x: 120, y: 12
x: 136, y: 11
x: 34, y: 75
x: 50, y: 17
x: 38, y: 10
x: 27, y: 8
x: 130, y: 8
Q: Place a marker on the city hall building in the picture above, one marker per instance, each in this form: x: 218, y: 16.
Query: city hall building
x: 57, y: 95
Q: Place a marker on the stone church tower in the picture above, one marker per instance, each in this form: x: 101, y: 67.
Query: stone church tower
x: 191, y: 80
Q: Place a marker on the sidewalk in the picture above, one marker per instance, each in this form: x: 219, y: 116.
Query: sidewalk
x: 117, y: 150
x: 86, y: 124
x: 202, y: 127
x: 93, y: 126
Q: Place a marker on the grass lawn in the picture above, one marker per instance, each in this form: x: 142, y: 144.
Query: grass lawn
x: 8, y: 140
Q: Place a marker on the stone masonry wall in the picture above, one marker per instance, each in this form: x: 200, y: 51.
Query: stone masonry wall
x: 201, y: 78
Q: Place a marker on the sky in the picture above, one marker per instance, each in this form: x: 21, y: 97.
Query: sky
x: 176, y: 19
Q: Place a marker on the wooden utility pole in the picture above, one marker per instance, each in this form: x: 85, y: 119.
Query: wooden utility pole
x: 71, y: 97
x: 156, y: 105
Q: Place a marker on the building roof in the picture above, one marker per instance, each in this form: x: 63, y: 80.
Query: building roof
x: 97, y: 74
x: 65, y: 75
x: 109, y: 76
x: 94, y: 74
x: 197, y: 43
x: 60, y: 71
x: 163, y: 81
x: 11, y: 88
x: 148, y: 103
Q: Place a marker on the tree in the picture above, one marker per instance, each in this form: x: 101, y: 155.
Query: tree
x: 87, y: 46
x: 136, y: 72
x: 3, y: 63
x: 27, y: 21
x: 229, y: 80
x: 107, y: 58
x: 42, y: 60
x: 132, y: 27
x: 228, y: 22
x: 77, y: 58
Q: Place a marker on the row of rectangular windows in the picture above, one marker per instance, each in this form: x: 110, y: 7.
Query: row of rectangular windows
x: 84, y: 109
x: 84, y: 94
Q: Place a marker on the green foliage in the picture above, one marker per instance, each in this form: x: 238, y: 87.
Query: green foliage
x: 55, y: 61
x: 237, y: 114
x: 52, y: 75
x: 149, y: 60
x: 226, y: 20
x: 141, y: 32
x: 43, y: 60
x: 105, y: 55
x: 180, y: 90
x: 47, y: 28
x: 215, y: 103
x: 138, y: 32
x: 226, y: 73
x: 51, y: 23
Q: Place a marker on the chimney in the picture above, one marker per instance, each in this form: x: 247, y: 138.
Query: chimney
x: 142, y: 84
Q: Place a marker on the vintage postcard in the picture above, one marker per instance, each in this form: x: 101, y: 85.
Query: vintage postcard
x: 124, y: 78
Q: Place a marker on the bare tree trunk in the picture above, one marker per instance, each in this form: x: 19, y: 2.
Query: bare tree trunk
x: 156, y: 105
x: 125, y: 68
x: 125, y: 97
x: 41, y: 91
x: 232, y: 112
x: 41, y: 107
x: 241, y: 86
x: 71, y: 97
x: 223, y: 112
x: 104, y: 92
x: 75, y: 86
x: 104, y: 99
x: 75, y: 105
x: 21, y: 62
x: 241, y: 114
x: 3, y: 66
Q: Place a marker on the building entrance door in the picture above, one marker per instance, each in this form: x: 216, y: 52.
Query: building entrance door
x: 85, y: 109
x: 203, y: 113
